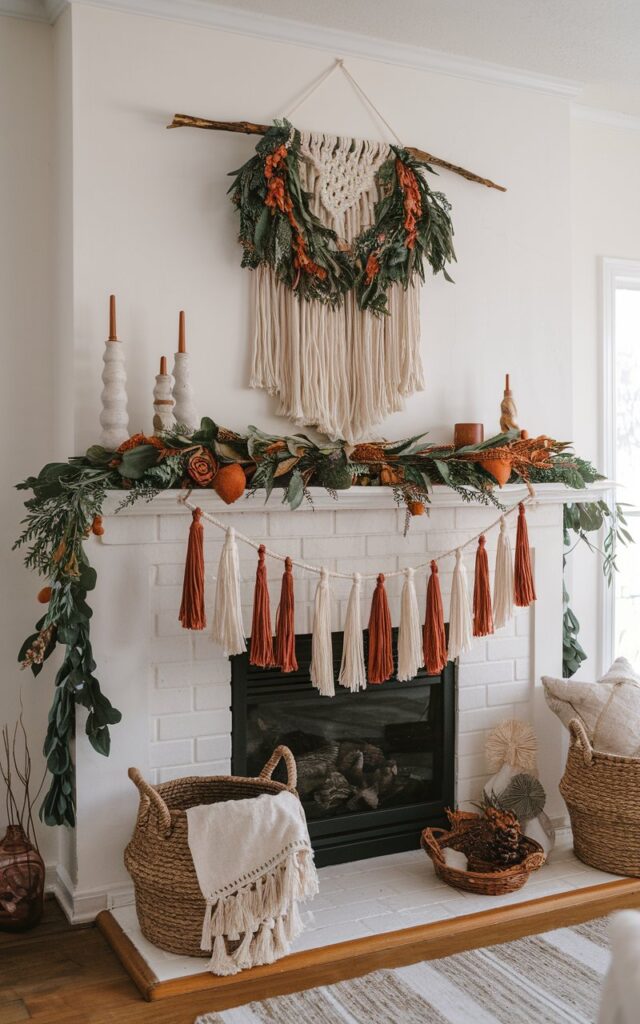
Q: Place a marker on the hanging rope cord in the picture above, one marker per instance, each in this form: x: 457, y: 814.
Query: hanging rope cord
x: 318, y: 570
x: 339, y: 65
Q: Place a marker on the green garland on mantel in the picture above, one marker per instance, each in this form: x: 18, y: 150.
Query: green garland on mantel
x: 68, y: 498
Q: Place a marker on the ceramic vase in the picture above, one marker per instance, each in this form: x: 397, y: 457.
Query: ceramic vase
x: 21, y: 882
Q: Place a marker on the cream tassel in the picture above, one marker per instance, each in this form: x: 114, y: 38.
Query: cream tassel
x: 242, y: 955
x: 228, y: 630
x: 460, y: 622
x: 221, y: 963
x: 353, y: 673
x: 503, y: 582
x: 321, y: 647
x: 410, y: 646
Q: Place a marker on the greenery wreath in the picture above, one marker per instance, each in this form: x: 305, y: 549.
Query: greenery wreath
x: 68, y: 499
x: 278, y: 228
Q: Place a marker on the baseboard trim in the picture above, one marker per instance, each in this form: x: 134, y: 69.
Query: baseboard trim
x: 82, y: 906
x: 329, y: 964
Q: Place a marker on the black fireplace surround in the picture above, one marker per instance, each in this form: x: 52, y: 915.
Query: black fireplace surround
x: 374, y: 767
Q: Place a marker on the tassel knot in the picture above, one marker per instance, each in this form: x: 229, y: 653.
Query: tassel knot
x: 353, y: 674
x: 285, y: 647
x: 460, y: 625
x: 321, y: 670
x: 503, y: 590
x: 192, y: 613
x: 410, y: 644
x: 228, y: 630
x: 261, y: 632
x: 434, y: 637
x: 380, y: 663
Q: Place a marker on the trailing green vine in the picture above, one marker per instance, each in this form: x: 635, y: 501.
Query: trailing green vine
x: 68, y: 499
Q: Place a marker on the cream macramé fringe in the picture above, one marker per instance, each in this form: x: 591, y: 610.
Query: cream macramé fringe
x: 257, y: 923
x: 342, y: 370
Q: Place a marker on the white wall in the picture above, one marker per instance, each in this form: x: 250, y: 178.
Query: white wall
x: 605, y: 212
x: 27, y: 409
x: 153, y: 223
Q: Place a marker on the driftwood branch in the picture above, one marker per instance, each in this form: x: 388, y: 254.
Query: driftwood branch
x: 249, y: 128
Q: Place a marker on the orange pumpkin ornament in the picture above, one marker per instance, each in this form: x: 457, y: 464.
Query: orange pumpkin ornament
x: 96, y: 527
x: 416, y: 508
x: 229, y: 483
x: 44, y: 595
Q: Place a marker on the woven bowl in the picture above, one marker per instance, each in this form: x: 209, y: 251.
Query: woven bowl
x: 468, y: 831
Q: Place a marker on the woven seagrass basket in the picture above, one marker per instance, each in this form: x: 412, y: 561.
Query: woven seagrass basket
x: 169, y: 903
x: 467, y: 834
x: 602, y: 792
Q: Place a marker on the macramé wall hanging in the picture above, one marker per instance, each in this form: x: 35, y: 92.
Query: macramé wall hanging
x: 338, y: 231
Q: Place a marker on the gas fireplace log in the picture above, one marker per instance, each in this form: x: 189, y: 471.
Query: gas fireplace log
x: 249, y: 128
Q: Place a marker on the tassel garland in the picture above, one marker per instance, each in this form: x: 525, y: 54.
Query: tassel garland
x: 482, y: 614
x: 228, y: 630
x: 192, y: 614
x: 353, y: 674
x: 524, y: 587
x: 321, y: 670
x: 285, y: 647
x: 410, y: 645
x: 261, y: 634
x: 503, y: 582
x: 460, y: 622
x: 380, y: 664
x: 434, y: 638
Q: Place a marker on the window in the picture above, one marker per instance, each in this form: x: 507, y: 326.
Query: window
x: 622, y: 444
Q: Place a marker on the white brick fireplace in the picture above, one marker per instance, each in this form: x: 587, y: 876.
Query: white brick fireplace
x: 173, y: 687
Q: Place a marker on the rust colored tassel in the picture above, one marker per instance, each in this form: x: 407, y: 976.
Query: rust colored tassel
x: 261, y: 634
x: 192, y: 614
x: 285, y: 647
x: 433, y: 635
x: 482, y: 611
x: 523, y: 585
x: 380, y: 661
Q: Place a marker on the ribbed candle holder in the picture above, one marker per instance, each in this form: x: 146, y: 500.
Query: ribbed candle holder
x: 114, y: 418
x: 163, y: 401
x: 184, y: 409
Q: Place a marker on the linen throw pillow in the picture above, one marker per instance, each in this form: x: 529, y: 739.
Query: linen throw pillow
x: 609, y: 709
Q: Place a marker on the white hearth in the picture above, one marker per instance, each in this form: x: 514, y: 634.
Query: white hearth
x: 173, y: 687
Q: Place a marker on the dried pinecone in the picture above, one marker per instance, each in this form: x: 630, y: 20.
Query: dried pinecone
x: 368, y: 453
x: 506, y: 836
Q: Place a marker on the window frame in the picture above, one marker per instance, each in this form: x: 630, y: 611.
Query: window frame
x: 616, y: 274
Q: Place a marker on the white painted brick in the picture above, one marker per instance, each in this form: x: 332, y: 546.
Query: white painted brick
x: 470, y: 697
x: 169, y: 575
x: 543, y: 515
x: 384, y: 563
x: 130, y: 530
x: 396, y: 544
x: 319, y: 548
x: 523, y: 669
x: 470, y: 790
x: 302, y: 523
x: 204, y: 647
x: 509, y: 647
x: 212, y: 698
x: 439, y: 542
x: 370, y: 521
x: 506, y: 693
x: 523, y: 623
x: 168, y: 624
x: 177, y: 752
x: 486, y: 672
x: 170, y: 701
x: 166, y: 598
x: 190, y: 673
x: 213, y: 748
x: 197, y: 723
x: 168, y: 649
x: 475, y: 517
x: 472, y: 765
x: 509, y: 629
x: 477, y: 654
x: 483, y: 718
x: 470, y: 743
x: 222, y: 767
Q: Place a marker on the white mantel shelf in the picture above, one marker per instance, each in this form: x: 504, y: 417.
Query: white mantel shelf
x: 356, y: 498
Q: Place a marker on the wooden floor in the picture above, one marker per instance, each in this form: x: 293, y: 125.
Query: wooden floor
x: 62, y: 975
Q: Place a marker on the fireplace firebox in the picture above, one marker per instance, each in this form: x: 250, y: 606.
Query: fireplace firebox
x: 374, y: 767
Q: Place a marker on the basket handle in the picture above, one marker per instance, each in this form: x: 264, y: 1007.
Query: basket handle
x: 534, y: 860
x: 428, y: 840
x: 281, y: 754
x: 579, y: 736
x: 152, y: 794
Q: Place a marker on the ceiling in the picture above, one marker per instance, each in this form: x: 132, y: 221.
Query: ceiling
x: 596, y: 42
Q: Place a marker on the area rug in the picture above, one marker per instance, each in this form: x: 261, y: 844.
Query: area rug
x: 554, y: 978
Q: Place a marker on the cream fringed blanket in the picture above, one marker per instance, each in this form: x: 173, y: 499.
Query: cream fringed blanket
x: 344, y: 369
x: 254, y: 863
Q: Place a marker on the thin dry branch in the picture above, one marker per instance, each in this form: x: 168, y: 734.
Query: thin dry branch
x: 249, y: 128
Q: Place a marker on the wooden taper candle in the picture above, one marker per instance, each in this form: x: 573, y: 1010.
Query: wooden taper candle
x: 114, y: 418
x: 163, y: 401
x: 508, y: 410
x: 184, y: 410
